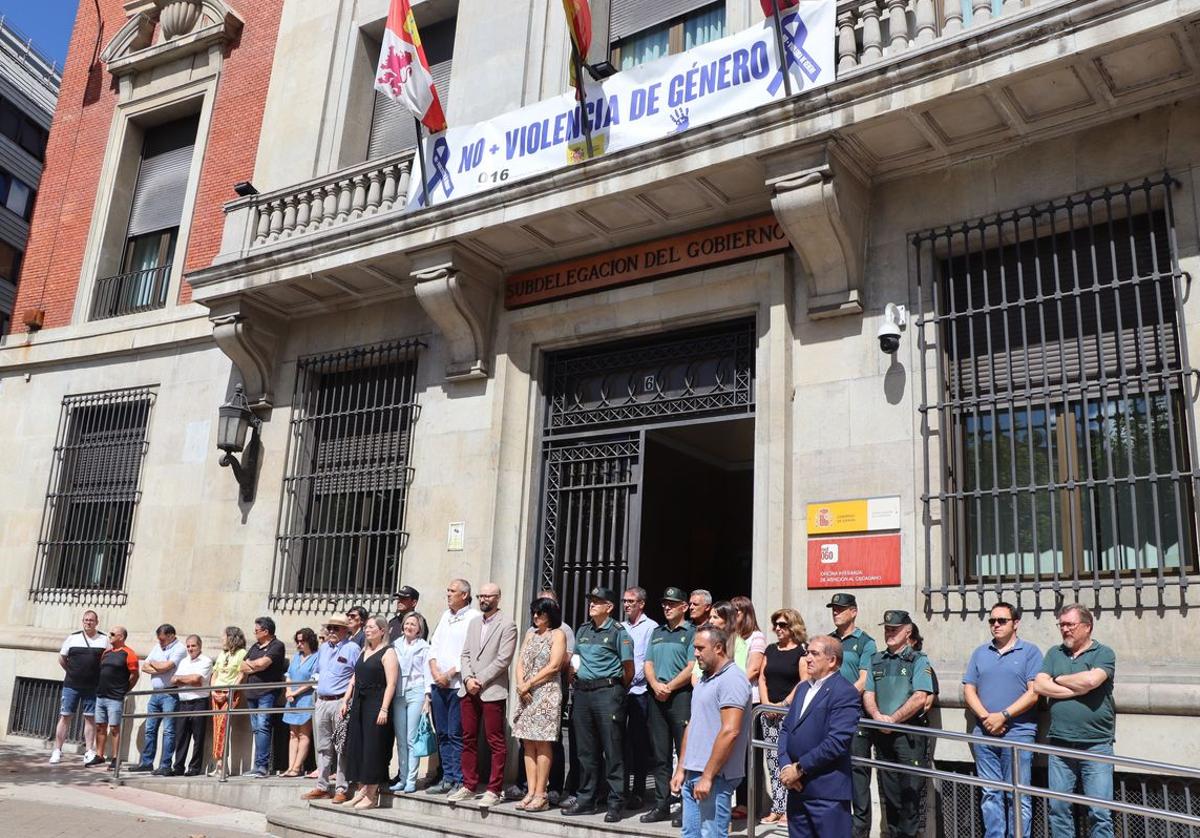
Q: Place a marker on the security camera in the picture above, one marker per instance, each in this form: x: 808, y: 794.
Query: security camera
x: 895, y: 318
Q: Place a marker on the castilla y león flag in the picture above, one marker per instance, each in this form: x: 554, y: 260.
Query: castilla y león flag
x: 769, y: 6
x: 579, y: 19
x: 403, y: 73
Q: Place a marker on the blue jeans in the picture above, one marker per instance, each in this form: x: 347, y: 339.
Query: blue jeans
x: 160, y: 704
x: 406, y: 715
x: 1096, y: 780
x: 707, y: 818
x: 447, y: 718
x: 260, y: 723
x: 995, y: 763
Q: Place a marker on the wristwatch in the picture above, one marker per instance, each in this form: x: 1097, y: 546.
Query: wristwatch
x: 1007, y: 715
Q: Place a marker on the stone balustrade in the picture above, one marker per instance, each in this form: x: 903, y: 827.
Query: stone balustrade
x: 371, y: 188
x: 867, y: 31
x: 870, y: 30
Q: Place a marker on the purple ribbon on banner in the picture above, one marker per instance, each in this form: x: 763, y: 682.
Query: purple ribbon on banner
x: 794, y: 35
x: 439, y: 161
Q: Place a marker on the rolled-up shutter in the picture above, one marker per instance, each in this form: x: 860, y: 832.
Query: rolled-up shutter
x: 628, y: 17
x: 392, y: 126
x: 162, y: 177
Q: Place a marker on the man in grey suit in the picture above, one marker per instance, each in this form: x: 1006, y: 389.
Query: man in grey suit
x: 486, y: 657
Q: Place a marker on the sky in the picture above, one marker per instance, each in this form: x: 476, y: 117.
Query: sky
x: 47, y: 22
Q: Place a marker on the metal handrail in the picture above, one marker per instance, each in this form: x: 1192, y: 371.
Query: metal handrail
x: 1012, y: 786
x: 227, y: 713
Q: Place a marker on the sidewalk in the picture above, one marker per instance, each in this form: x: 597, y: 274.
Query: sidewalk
x: 68, y: 800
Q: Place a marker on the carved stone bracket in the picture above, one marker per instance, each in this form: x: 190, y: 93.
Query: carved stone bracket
x: 252, y: 339
x: 459, y: 291
x: 821, y: 201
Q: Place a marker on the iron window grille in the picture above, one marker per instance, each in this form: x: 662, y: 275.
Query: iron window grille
x: 705, y: 372
x: 341, y: 532
x: 1058, y: 431
x: 34, y: 710
x: 93, y: 493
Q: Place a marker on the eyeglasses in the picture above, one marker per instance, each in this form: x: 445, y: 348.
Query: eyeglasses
x: 781, y: 625
x: 999, y: 621
x: 489, y: 596
x: 1068, y: 626
x: 112, y: 634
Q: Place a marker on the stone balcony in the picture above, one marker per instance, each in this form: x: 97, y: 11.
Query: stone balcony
x: 916, y: 90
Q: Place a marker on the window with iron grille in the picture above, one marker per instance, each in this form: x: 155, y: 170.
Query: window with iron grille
x: 341, y: 527
x: 1056, y: 398
x: 93, y: 493
x: 34, y: 710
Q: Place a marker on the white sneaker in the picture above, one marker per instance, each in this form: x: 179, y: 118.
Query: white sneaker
x: 89, y: 756
x: 463, y: 793
x: 55, y: 756
x: 489, y: 799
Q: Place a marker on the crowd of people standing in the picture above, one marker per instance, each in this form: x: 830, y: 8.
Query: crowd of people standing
x: 387, y: 687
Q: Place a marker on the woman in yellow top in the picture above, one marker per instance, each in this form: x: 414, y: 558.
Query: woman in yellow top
x: 225, y: 673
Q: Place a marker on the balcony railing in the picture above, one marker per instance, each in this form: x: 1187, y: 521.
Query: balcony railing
x: 868, y: 31
x: 132, y: 292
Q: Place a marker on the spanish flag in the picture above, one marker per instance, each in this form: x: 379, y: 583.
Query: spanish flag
x: 579, y: 20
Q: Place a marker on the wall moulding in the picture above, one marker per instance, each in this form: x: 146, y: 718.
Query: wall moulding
x: 185, y: 28
x: 252, y: 339
x: 459, y: 290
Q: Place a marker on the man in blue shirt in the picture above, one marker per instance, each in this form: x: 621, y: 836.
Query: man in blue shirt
x: 998, y: 686
x: 637, y: 700
x: 335, y: 666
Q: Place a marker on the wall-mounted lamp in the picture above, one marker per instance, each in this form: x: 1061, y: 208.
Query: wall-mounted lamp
x: 245, y: 189
x: 601, y: 70
x: 234, y: 419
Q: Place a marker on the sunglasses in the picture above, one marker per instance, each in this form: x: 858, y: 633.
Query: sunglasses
x: 112, y: 634
x: 781, y: 625
x: 999, y: 621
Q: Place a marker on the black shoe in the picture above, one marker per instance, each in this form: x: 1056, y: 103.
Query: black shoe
x: 96, y: 760
x: 112, y: 764
x: 568, y: 801
x: 139, y: 768
x: 444, y: 787
x: 613, y: 815
x: 514, y: 792
x: 655, y: 815
x: 633, y: 802
x: 192, y: 772
x: 580, y: 808
x: 164, y: 771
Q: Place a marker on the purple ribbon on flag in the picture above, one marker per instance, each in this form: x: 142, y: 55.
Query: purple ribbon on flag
x: 441, y: 172
x: 794, y: 35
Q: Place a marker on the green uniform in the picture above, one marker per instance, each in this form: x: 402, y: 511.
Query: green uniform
x: 1089, y: 719
x: 670, y: 651
x: 858, y: 648
x: 893, y: 678
x: 598, y: 717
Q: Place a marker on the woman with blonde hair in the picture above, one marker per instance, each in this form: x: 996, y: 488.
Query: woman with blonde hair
x: 784, y: 669
x: 226, y: 672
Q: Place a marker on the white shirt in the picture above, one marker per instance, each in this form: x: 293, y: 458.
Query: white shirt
x: 813, y: 689
x: 175, y: 652
x: 200, y: 665
x: 446, y: 645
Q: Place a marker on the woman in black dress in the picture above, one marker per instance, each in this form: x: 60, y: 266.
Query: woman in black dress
x: 369, y: 734
x: 784, y: 669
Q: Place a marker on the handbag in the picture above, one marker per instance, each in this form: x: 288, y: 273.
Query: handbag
x: 425, y: 742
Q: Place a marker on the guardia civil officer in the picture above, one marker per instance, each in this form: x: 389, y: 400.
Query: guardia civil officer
x: 602, y: 675
x: 899, y: 686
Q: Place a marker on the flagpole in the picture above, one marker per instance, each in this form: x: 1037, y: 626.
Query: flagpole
x: 783, y: 62
x: 421, y: 157
x: 581, y: 97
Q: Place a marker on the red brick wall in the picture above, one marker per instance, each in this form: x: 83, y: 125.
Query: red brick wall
x: 75, y: 154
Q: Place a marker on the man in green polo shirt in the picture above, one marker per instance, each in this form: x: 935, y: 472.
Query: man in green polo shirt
x: 899, y: 683
x: 669, y: 663
x: 858, y: 648
x: 605, y: 670
x: 1077, y: 678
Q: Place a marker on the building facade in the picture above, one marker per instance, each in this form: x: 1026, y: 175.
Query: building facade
x: 438, y: 398
x: 29, y: 84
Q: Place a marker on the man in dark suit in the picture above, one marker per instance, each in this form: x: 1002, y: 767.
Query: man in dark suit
x: 814, y: 746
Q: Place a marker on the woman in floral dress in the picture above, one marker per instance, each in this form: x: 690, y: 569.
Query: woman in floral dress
x: 539, y: 691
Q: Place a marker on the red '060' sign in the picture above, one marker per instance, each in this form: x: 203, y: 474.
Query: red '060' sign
x: 863, y: 561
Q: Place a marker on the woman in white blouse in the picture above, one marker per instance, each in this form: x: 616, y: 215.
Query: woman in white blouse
x: 412, y: 698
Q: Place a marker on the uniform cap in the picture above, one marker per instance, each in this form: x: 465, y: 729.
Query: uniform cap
x: 896, y: 618
x: 606, y: 594
x: 675, y: 595
x: 842, y: 601
x: 407, y: 592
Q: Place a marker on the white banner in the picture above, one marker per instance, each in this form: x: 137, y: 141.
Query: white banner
x: 703, y: 85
